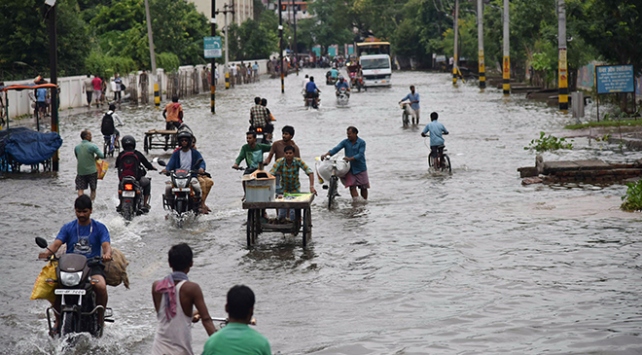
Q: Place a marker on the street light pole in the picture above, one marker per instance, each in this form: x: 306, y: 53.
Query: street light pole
x: 456, y: 50
x: 53, y: 73
x: 152, y: 54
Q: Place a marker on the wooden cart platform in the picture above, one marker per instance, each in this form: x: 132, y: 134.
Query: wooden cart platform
x: 302, y: 222
x: 160, y: 139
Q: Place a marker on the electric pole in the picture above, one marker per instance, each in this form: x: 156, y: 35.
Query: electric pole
x: 506, y: 66
x: 562, y: 68
x: 226, y: 69
x: 152, y: 55
x: 456, y: 51
x: 480, y: 44
x: 296, y: 50
x: 213, y: 69
x: 281, y: 47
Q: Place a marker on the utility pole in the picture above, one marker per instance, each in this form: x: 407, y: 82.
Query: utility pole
x: 152, y: 55
x: 480, y: 44
x: 226, y: 69
x: 506, y: 66
x: 296, y: 50
x: 281, y: 47
x: 456, y: 51
x: 213, y: 69
x: 562, y: 68
x: 53, y: 73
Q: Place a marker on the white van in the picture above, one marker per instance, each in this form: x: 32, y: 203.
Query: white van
x: 376, y: 70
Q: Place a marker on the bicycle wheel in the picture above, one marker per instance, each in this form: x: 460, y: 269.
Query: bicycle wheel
x: 445, y: 164
x: 404, y: 119
x: 431, y: 160
x: 105, y: 149
x: 332, y: 191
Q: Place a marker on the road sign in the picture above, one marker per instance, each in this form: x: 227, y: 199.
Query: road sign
x: 212, y: 47
x: 615, y: 78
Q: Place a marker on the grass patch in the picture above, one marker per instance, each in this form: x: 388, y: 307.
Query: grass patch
x: 548, y: 143
x: 607, y: 123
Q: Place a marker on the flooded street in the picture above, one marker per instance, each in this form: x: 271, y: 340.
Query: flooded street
x: 468, y: 263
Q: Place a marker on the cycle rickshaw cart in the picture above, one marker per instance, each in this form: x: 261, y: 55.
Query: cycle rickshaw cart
x: 260, y: 195
x: 160, y: 139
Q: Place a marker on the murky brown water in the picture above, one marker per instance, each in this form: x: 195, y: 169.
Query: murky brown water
x: 472, y: 263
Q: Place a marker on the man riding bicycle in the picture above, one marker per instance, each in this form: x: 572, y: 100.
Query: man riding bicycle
x: 437, y: 142
x: 107, y: 127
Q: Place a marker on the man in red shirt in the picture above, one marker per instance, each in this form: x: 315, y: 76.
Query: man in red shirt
x: 97, y: 84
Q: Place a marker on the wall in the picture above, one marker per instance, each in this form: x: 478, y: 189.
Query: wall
x: 72, y: 94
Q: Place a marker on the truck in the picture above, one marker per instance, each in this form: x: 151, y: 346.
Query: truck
x: 375, y: 63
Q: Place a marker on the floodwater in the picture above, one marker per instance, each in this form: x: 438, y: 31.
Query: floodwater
x: 468, y: 263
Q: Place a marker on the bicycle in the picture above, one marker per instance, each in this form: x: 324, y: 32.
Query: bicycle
x: 442, y: 158
x: 333, y: 183
x: 109, y: 145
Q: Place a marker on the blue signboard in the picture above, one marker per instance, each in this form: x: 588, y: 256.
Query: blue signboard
x: 212, y: 47
x: 612, y: 79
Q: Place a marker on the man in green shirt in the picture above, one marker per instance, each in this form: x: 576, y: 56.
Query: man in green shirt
x: 87, y: 153
x: 237, y: 338
x: 252, y: 153
x: 288, y: 168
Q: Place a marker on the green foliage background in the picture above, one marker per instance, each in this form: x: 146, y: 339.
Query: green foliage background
x: 93, y: 34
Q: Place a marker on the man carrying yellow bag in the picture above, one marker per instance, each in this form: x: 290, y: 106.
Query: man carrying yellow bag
x: 86, y: 153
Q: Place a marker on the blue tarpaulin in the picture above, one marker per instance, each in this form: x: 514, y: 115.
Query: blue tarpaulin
x: 27, y: 146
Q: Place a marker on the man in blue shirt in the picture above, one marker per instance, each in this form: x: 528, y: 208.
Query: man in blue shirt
x: 41, y: 101
x: 413, y: 97
x: 312, y: 91
x: 87, y: 237
x: 355, y: 153
x: 436, y: 130
x: 342, y: 84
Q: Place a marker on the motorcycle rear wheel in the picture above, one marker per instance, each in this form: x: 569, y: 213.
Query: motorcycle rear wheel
x: 128, y: 210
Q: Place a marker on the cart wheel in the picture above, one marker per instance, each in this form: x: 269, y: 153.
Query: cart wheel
x: 307, y: 226
x: 146, y: 146
x: 296, y: 224
x: 250, y: 228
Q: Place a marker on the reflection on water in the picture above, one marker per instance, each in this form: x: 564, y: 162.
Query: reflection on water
x: 466, y: 263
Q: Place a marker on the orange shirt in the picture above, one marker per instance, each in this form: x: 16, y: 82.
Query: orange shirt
x: 173, y: 109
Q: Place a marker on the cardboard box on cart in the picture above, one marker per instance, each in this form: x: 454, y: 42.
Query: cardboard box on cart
x: 260, y: 186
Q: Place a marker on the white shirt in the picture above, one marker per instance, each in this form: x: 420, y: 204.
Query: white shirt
x: 173, y: 336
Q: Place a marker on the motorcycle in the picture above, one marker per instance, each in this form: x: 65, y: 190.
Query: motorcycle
x: 355, y: 81
x: 76, y: 296
x: 343, y: 96
x: 130, y: 195
x: 183, y: 205
x: 311, y: 102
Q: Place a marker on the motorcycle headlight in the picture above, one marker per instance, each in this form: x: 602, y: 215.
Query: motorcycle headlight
x: 70, y: 278
x: 181, y: 183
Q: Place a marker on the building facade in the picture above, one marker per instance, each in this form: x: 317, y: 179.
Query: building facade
x: 243, y: 10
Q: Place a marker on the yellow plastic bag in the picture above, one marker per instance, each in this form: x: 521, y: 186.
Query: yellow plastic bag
x: 101, y: 167
x: 46, y: 283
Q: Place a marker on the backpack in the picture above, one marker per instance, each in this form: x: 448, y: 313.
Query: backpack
x: 107, y: 127
x: 129, y: 165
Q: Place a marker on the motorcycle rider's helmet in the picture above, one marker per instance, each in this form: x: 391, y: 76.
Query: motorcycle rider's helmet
x: 112, y: 107
x: 183, y: 135
x: 128, y: 142
x: 341, y: 78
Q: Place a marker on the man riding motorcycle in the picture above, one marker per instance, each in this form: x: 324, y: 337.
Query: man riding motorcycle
x: 312, y: 91
x: 342, y: 84
x: 87, y: 237
x: 129, y: 164
x: 187, y: 158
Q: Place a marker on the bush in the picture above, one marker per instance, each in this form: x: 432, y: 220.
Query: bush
x: 633, y: 198
x: 544, y: 143
x: 106, y: 66
x: 168, y: 61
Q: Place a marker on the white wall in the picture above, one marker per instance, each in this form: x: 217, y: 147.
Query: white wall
x: 72, y: 95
